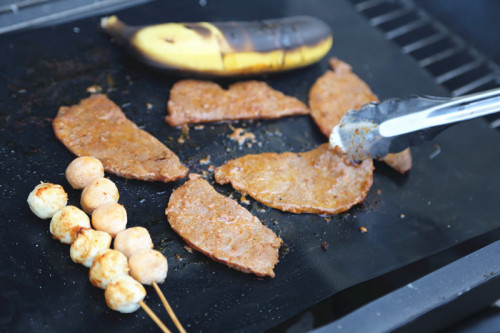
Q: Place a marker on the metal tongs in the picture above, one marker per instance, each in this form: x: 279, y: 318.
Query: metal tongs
x: 377, y: 129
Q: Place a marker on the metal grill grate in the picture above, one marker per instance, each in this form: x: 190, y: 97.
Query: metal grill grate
x: 23, y: 14
x: 455, y: 65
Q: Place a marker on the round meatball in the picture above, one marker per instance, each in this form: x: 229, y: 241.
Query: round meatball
x: 46, y: 199
x: 108, y: 265
x: 87, y: 244
x: 124, y: 294
x: 148, y: 266
x: 133, y: 240
x: 110, y: 217
x: 82, y: 170
x: 67, y: 222
x: 97, y: 193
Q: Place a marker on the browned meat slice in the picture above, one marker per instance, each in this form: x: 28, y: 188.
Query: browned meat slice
x: 97, y: 127
x: 319, y: 181
x: 193, y: 101
x: 338, y: 91
x: 222, y: 229
x: 401, y: 162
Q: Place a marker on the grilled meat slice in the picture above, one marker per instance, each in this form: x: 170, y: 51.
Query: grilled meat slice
x: 193, y: 101
x: 97, y: 127
x: 320, y: 181
x: 222, y: 229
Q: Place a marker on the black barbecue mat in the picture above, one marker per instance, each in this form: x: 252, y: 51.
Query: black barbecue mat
x: 450, y: 195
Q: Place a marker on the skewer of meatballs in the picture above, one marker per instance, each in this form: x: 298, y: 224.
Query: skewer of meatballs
x: 120, y: 271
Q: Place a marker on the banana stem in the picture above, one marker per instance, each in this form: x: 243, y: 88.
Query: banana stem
x: 116, y: 28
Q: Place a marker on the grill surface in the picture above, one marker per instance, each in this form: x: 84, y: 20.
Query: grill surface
x: 416, y: 224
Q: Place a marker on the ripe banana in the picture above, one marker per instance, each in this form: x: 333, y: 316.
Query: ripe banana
x: 226, y: 48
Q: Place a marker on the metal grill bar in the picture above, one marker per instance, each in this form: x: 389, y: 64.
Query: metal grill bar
x: 404, y: 29
x: 389, y: 16
x: 423, y: 42
x: 14, y: 7
x: 27, y: 14
x: 474, y: 84
x: 440, y: 56
x: 458, y: 71
x: 369, y: 4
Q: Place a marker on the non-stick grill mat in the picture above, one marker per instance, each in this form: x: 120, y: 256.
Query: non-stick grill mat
x: 450, y: 195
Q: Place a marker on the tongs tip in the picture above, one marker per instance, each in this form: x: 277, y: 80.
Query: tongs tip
x: 335, y: 140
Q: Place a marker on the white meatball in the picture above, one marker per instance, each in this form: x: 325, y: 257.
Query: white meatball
x: 133, y: 240
x: 67, y: 222
x: 148, y: 266
x: 108, y: 265
x: 46, y: 199
x: 110, y: 217
x: 82, y: 170
x: 97, y: 193
x: 88, y: 243
x: 124, y: 294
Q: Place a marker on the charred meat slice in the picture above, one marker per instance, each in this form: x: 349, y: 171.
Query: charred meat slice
x: 193, y: 101
x: 338, y: 91
x: 222, y: 229
x: 319, y: 181
x: 97, y: 127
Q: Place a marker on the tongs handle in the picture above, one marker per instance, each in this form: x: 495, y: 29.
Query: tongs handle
x: 455, y: 110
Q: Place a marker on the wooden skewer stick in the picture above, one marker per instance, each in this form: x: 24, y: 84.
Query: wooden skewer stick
x: 157, y: 320
x: 169, y: 309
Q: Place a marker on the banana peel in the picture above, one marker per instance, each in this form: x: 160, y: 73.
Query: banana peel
x: 226, y: 48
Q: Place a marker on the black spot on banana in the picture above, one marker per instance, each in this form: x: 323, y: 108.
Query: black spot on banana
x: 226, y: 48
